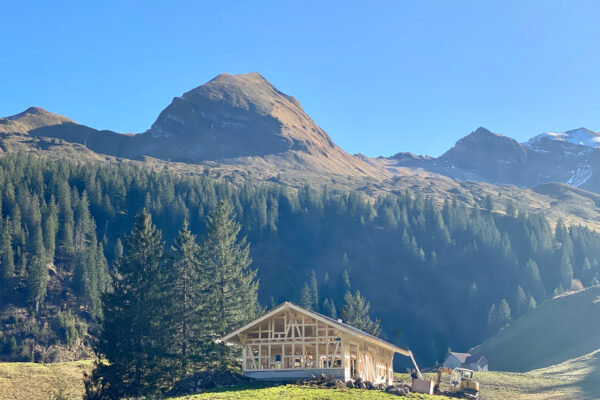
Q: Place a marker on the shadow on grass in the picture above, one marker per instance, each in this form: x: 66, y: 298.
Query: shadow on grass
x: 590, y: 384
x: 588, y: 387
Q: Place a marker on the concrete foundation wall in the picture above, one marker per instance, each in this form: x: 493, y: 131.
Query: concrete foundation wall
x: 293, y: 374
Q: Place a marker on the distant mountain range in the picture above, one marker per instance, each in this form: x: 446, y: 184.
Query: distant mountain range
x: 571, y: 157
x: 242, y: 127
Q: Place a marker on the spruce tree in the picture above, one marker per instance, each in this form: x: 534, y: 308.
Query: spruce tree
x: 7, y: 265
x: 504, y: 313
x: 346, y: 279
x: 566, y: 269
x: 534, y: 280
x: 329, y: 308
x: 306, y: 297
x: 314, y: 289
x: 50, y: 228
x: 186, y: 284
x: 37, y: 270
x: 133, y: 337
x: 356, y: 313
x: 37, y: 280
x: 233, y: 292
x: 521, y: 301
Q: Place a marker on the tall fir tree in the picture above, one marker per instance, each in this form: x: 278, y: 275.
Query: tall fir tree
x: 7, y: 264
x: 133, y: 336
x: 356, y: 313
x: 329, y: 308
x: 50, y: 227
x: 37, y: 280
x: 314, y: 289
x: 306, y: 297
x: 233, y: 292
x: 187, y: 284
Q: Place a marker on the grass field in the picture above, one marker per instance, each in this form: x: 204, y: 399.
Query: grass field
x: 30, y: 381
x: 301, y: 393
x: 575, y: 379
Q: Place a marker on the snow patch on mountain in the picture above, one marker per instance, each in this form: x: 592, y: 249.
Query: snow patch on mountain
x: 580, y: 176
x: 581, y: 137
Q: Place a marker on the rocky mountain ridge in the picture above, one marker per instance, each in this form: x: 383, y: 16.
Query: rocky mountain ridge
x: 231, y: 119
x: 572, y: 157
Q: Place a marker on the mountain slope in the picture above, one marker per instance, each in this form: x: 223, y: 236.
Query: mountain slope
x: 563, y: 328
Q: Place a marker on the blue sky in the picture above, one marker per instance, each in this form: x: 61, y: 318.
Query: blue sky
x: 380, y: 77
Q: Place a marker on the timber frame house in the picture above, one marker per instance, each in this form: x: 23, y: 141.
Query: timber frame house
x: 290, y: 342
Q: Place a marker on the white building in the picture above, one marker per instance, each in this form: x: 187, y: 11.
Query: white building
x: 466, y: 360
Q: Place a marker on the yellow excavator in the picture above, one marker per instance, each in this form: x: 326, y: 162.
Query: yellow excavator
x: 457, y: 382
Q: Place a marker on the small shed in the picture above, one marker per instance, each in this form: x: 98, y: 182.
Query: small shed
x: 290, y: 342
x: 466, y: 360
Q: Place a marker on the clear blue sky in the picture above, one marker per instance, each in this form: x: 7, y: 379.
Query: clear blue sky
x: 380, y: 77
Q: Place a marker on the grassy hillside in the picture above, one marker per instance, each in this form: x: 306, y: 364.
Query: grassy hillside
x: 561, y: 329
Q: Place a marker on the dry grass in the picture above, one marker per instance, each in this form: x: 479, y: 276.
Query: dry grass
x: 30, y: 381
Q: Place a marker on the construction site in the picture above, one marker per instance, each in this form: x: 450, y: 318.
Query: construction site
x: 290, y: 343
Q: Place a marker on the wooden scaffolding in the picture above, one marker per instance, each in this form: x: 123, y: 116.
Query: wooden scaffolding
x: 290, y: 342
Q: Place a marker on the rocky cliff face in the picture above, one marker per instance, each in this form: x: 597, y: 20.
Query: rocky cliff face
x: 237, y: 116
x: 474, y: 152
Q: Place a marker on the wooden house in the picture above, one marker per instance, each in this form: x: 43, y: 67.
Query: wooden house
x: 290, y: 342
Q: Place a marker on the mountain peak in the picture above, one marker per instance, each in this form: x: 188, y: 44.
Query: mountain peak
x: 242, y: 90
x: 239, y: 115
x: 251, y: 76
x: 481, y: 131
x: 37, y: 111
x: 33, y: 118
x: 233, y: 116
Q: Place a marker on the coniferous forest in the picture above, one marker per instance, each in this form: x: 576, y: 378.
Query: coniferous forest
x: 421, y: 274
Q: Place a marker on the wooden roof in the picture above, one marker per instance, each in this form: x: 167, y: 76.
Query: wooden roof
x: 320, y: 317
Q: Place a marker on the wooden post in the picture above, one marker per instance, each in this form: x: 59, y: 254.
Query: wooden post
x: 415, y: 364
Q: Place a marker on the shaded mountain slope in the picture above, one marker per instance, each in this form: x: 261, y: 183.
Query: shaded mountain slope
x: 563, y: 328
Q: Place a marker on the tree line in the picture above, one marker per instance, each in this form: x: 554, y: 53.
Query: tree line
x: 414, y: 259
